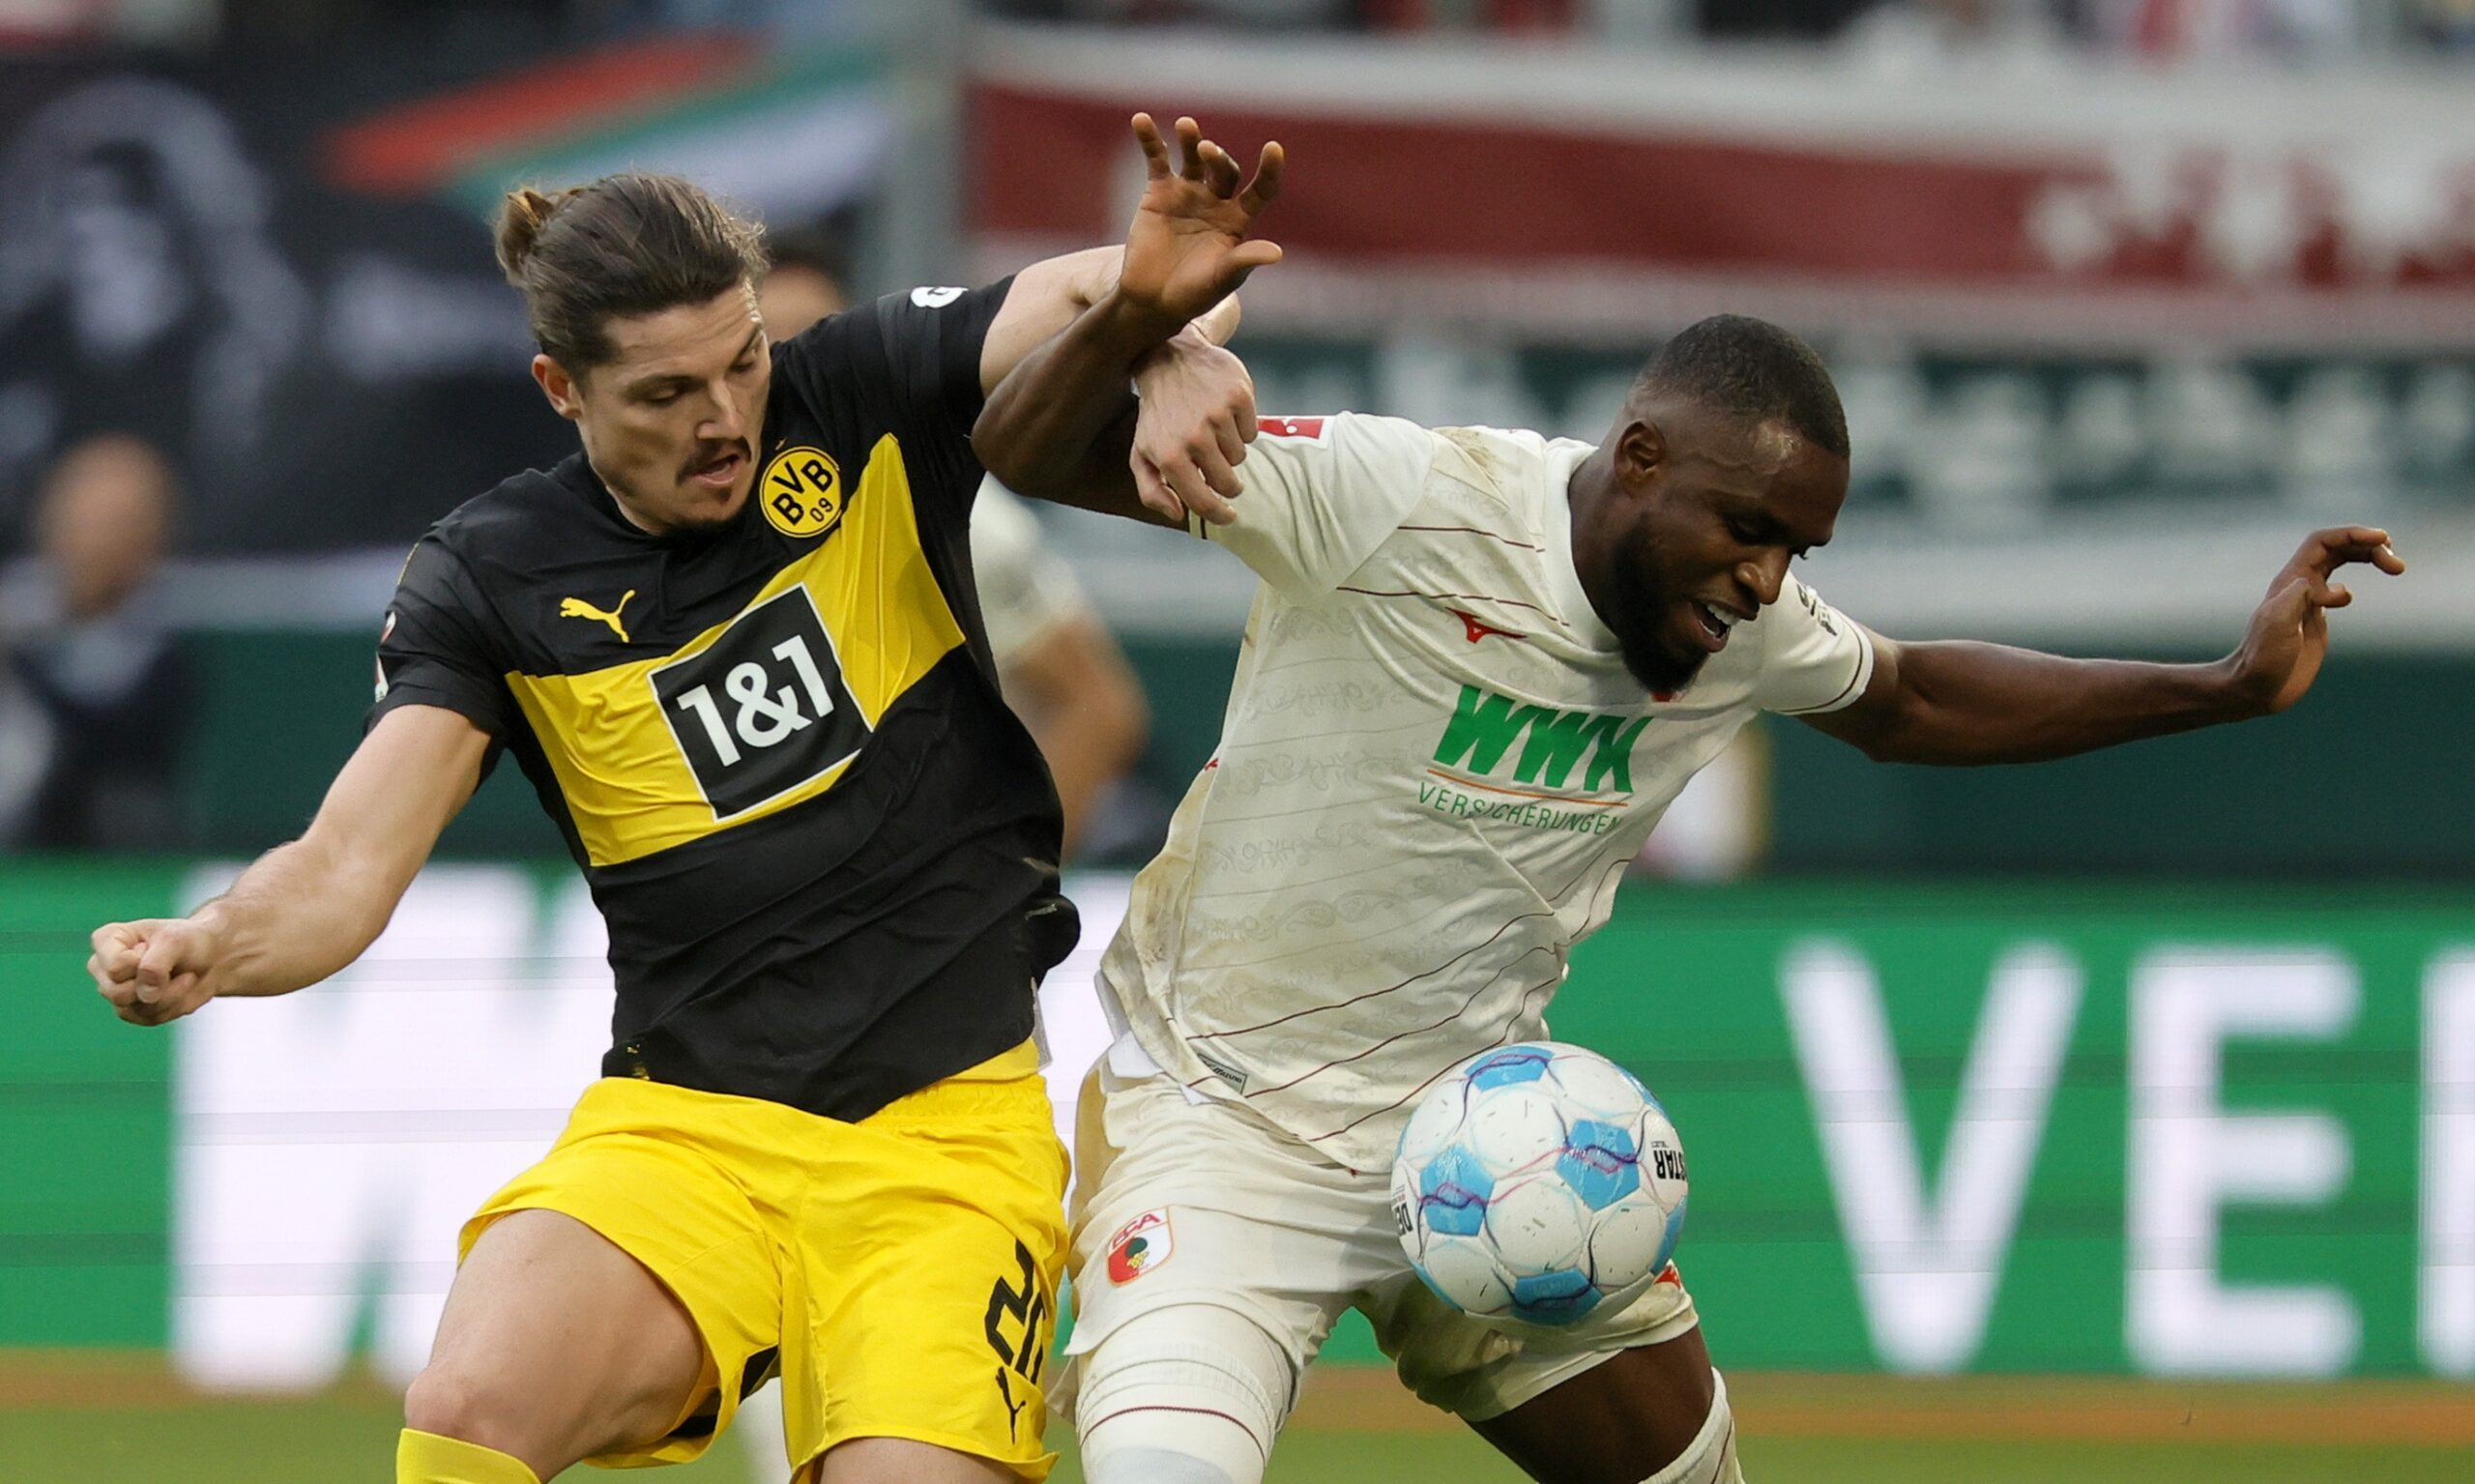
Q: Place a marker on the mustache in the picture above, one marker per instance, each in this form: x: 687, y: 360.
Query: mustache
x: 705, y: 454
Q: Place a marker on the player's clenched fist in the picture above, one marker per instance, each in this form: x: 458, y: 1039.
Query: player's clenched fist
x: 154, y: 970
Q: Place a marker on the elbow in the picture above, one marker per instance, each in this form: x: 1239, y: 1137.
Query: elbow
x: 997, y: 450
x: 1128, y: 728
x: 1004, y: 452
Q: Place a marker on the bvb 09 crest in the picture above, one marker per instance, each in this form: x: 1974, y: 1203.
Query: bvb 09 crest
x: 801, y: 492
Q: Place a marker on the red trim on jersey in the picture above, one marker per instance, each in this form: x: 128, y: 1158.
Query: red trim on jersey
x: 1483, y: 597
x: 1290, y: 427
x: 1472, y: 626
x: 1492, y: 536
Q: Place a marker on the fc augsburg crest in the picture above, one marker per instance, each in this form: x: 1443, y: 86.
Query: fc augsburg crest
x: 801, y: 492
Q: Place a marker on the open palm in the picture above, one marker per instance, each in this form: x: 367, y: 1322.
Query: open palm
x: 1187, y: 248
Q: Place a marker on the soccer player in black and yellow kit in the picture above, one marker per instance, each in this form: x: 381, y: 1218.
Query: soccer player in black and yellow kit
x: 733, y: 646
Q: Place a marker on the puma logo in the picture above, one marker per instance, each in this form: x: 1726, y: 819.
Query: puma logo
x: 578, y: 608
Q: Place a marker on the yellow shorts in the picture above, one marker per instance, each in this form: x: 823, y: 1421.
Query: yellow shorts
x: 900, y: 1271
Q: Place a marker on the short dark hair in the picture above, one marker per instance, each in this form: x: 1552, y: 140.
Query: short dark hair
x: 1752, y: 369
x: 814, y: 249
x: 625, y: 245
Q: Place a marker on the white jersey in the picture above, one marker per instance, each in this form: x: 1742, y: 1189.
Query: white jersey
x: 1432, y: 773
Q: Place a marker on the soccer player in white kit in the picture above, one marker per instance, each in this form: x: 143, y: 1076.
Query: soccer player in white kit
x: 1479, y: 666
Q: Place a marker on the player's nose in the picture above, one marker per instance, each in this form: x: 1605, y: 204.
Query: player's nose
x: 727, y: 423
x: 1765, y: 577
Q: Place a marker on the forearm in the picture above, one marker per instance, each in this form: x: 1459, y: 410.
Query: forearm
x: 1039, y: 429
x: 298, y: 915
x: 1967, y: 703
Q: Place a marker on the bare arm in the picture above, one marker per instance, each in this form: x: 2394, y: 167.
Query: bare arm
x: 1075, y: 691
x: 1045, y: 298
x: 305, y: 910
x: 1055, y: 422
x: 1196, y: 402
x: 1961, y: 703
x: 1052, y: 293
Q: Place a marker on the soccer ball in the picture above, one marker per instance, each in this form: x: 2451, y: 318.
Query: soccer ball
x: 1538, y: 1182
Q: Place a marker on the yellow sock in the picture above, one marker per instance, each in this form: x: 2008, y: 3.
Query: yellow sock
x: 426, y: 1458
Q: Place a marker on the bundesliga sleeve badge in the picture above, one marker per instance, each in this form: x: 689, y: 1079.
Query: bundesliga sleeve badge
x: 1140, y: 1246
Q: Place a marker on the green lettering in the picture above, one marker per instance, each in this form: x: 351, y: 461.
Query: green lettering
x: 1614, y: 756
x: 1556, y: 740
x: 1482, y: 729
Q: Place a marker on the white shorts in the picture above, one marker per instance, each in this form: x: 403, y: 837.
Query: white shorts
x: 1179, y: 1202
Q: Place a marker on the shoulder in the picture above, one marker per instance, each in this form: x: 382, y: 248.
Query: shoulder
x: 509, y: 533
x: 512, y: 507
x: 1505, y: 462
x: 1352, y: 445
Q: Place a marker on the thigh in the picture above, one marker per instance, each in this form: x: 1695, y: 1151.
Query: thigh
x: 924, y: 1286
x: 1179, y: 1203
x: 902, y: 1461
x: 638, y: 1217
x: 555, y: 1345
x: 1479, y: 1371
x: 1618, y: 1422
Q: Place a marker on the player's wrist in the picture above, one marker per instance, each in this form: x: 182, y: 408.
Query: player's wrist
x: 2235, y: 690
x: 1185, y: 350
x: 1134, y: 326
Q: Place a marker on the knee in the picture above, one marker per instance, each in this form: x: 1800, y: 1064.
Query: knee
x: 1711, y: 1458
x: 450, y: 1403
x: 1193, y: 1394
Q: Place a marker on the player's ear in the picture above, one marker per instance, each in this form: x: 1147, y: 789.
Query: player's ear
x: 1640, y: 453
x: 559, y: 387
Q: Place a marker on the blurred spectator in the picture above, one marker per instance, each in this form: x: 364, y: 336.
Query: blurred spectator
x: 1919, y: 34
x: 1061, y: 670
x: 2196, y: 30
x: 25, y: 753
x: 105, y: 666
x: 2445, y: 25
x: 141, y: 283
x: 1747, y: 19
x: 806, y: 283
x: 138, y: 23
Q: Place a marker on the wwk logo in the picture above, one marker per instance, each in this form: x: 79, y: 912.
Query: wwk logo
x: 1485, y: 725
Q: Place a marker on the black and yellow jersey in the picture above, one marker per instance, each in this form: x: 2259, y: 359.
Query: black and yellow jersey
x: 824, y: 848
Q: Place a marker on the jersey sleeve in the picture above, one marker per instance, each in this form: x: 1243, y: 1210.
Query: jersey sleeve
x: 1813, y: 658
x: 434, y: 651
x: 1320, y: 494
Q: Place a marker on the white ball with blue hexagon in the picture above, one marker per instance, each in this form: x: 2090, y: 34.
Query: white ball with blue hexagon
x: 1537, y: 1184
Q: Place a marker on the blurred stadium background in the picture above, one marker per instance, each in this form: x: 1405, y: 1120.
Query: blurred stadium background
x: 2111, y: 1118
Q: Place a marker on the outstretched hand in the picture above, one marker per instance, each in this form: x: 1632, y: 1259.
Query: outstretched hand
x: 1187, y: 248
x: 2289, y: 635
